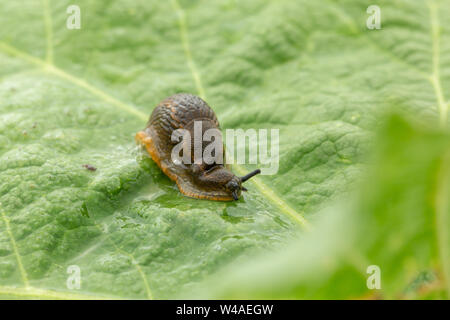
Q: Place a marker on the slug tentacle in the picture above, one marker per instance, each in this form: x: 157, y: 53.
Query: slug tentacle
x: 251, y: 174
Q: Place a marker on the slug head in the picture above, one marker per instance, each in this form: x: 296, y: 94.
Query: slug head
x: 219, y: 178
x: 234, y: 187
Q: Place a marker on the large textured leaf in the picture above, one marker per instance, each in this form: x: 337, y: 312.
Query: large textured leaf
x: 74, y: 97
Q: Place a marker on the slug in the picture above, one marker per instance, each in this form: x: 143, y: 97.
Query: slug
x: 196, y: 180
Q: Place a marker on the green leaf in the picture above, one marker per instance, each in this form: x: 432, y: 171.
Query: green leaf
x: 75, y: 97
x: 398, y: 221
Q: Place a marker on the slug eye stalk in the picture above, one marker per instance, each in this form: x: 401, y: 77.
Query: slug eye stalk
x: 251, y: 174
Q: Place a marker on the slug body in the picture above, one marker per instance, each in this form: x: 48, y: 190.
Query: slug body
x: 211, y: 181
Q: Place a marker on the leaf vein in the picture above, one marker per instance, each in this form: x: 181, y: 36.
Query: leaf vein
x: 48, y: 31
x: 73, y: 79
x: 263, y: 188
x: 187, y: 48
x: 134, y: 262
x: 22, y: 270
x: 31, y: 292
x: 435, y: 77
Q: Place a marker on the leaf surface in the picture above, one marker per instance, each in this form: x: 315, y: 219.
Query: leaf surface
x: 75, y: 97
